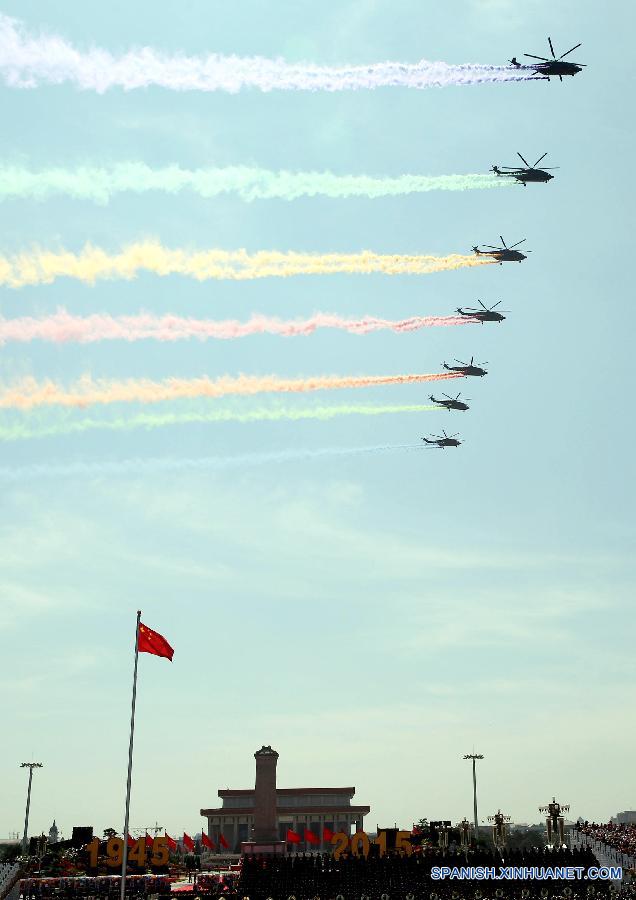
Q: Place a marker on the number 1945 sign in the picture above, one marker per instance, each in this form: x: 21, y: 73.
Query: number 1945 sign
x: 359, y: 843
x: 142, y: 853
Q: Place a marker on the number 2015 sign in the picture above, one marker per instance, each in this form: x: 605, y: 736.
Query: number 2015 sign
x: 142, y: 853
x: 359, y: 843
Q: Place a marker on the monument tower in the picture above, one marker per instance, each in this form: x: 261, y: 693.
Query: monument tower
x: 265, y: 838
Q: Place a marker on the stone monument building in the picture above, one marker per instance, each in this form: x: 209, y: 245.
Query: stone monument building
x: 262, y: 815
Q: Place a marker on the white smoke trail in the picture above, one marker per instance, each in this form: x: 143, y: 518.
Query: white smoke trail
x: 26, y: 62
x: 101, y: 183
x: 154, y: 465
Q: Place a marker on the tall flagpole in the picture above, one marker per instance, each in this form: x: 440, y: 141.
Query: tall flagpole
x: 124, y: 858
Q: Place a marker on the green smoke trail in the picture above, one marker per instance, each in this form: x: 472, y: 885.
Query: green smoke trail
x: 102, y: 183
x: 26, y: 431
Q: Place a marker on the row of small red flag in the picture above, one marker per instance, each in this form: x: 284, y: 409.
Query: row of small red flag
x: 293, y: 837
x: 186, y: 841
x: 310, y: 836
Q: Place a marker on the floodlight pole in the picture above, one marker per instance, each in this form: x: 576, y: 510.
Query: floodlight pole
x: 474, y: 757
x: 25, y: 837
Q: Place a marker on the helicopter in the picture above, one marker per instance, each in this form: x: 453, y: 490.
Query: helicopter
x: 530, y: 173
x: 485, y: 314
x: 466, y: 369
x: 552, y: 66
x: 503, y: 254
x: 443, y: 440
x: 451, y: 403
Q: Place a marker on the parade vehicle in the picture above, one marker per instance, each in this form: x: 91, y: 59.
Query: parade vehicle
x: 504, y: 253
x: 466, y: 369
x: 530, y: 173
x: 555, y: 66
x: 485, y: 314
x: 443, y: 440
x: 451, y: 403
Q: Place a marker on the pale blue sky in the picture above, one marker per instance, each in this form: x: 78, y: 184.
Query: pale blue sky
x: 372, y: 618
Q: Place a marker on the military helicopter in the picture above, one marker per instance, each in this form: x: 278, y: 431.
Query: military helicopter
x: 552, y: 66
x: 485, y: 314
x: 503, y: 254
x: 443, y: 440
x: 530, y: 173
x: 451, y: 403
x: 466, y: 369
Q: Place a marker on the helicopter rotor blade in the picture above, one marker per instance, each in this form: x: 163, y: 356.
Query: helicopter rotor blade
x: 517, y: 244
x: 496, y: 304
x: 551, y: 48
x: 550, y: 168
x: 504, y: 243
x: 569, y: 51
x: 482, y: 305
x: 491, y: 247
x: 525, y: 162
x: 539, y: 160
x: 532, y: 56
x: 460, y: 362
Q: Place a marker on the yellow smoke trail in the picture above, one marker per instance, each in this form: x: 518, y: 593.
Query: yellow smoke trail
x: 93, y: 263
x: 29, y: 393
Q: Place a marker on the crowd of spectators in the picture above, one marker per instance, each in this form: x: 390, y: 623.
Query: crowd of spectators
x: 619, y: 837
x: 104, y: 888
x: 409, y: 877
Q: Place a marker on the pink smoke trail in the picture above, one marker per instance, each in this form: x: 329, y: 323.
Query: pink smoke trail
x: 26, y: 62
x: 65, y: 328
x: 28, y: 393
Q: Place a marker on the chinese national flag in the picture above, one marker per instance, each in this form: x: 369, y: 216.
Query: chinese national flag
x: 223, y: 842
x: 310, y: 837
x: 188, y: 843
x: 131, y: 841
x: 172, y: 844
x: 327, y: 834
x: 205, y: 840
x: 149, y: 842
x: 150, y: 641
x: 292, y: 837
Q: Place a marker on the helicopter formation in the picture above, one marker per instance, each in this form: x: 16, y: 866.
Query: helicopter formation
x: 527, y: 174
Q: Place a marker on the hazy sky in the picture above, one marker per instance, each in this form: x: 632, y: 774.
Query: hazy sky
x: 373, y: 617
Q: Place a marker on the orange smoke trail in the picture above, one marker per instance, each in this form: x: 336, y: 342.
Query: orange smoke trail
x: 29, y: 393
x: 93, y: 263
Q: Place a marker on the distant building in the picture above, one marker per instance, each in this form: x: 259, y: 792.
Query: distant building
x: 628, y: 817
x: 54, y: 833
x: 297, y: 809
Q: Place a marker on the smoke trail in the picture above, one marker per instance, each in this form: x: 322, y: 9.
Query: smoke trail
x: 102, y: 183
x: 92, y: 263
x: 26, y: 62
x: 28, y: 393
x: 65, y: 328
x: 156, y: 465
x: 22, y: 431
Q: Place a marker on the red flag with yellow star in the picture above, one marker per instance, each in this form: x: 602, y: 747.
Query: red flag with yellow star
x: 150, y: 641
